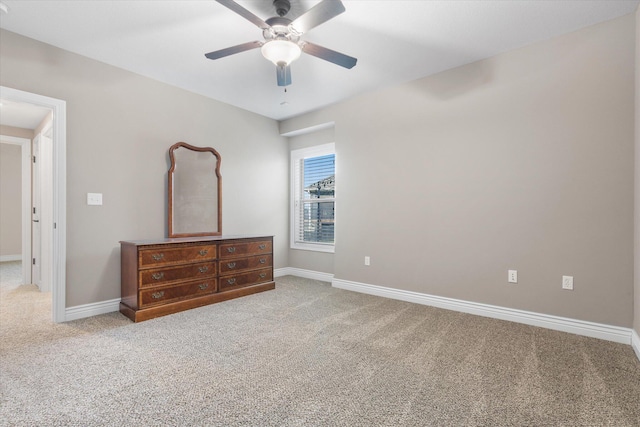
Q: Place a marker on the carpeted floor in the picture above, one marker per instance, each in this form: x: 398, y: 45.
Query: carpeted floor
x: 307, y: 354
x: 10, y: 275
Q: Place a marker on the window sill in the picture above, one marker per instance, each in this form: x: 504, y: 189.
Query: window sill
x: 313, y: 248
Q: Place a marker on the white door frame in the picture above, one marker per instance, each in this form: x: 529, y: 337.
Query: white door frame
x: 25, y: 150
x: 59, y: 237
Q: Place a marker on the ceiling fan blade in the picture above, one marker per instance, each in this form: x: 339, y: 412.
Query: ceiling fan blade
x: 284, y: 75
x: 329, y: 55
x: 317, y: 15
x: 244, y: 13
x: 233, y: 49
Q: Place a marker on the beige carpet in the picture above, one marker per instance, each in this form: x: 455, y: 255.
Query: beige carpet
x: 10, y: 275
x: 306, y: 354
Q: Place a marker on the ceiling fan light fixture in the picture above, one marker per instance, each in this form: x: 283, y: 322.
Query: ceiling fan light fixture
x: 281, y: 52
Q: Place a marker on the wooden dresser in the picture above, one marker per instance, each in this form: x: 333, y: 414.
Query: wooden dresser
x: 165, y: 276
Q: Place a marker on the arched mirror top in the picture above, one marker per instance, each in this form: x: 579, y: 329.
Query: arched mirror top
x: 195, y: 191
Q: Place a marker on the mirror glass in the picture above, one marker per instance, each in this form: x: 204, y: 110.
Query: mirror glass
x: 194, y: 191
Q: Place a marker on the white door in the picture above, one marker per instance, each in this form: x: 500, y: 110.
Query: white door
x: 36, y: 231
x: 45, y: 166
x: 42, y: 245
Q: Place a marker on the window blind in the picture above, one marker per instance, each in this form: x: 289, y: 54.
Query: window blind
x: 316, y: 208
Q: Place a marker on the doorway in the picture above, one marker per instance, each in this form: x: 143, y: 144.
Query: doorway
x: 19, y: 240
x: 53, y: 232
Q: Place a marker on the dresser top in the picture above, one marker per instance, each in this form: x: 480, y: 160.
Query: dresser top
x: 166, y: 240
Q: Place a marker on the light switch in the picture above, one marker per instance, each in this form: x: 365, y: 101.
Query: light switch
x: 94, y: 199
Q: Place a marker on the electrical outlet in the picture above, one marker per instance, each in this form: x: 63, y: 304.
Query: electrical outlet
x: 94, y: 199
x: 367, y: 260
x: 567, y: 283
x: 512, y: 276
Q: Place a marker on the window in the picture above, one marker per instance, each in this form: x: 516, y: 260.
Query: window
x: 313, y: 172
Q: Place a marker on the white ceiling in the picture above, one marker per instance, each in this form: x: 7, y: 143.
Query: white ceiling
x: 394, y: 41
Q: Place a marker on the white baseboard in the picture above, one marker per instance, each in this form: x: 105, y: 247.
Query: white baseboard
x: 5, y: 258
x: 279, y: 272
x: 94, y: 309
x: 307, y: 274
x: 635, y: 342
x: 579, y: 327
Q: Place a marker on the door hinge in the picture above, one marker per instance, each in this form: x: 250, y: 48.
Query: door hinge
x: 55, y: 225
x: 34, y: 210
x: 34, y: 261
x: 34, y: 159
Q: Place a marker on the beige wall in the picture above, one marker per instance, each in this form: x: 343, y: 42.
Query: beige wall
x: 522, y: 161
x: 119, y: 128
x: 636, y: 323
x: 17, y: 132
x: 10, y: 200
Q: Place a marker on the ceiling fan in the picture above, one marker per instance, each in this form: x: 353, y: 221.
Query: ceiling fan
x: 282, y: 37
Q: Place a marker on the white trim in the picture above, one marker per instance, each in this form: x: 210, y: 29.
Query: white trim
x: 93, y: 309
x: 7, y: 258
x: 574, y: 326
x: 307, y: 130
x: 25, y: 214
x: 307, y: 274
x: 314, y: 247
x: 59, y: 239
x: 279, y: 272
x: 635, y: 342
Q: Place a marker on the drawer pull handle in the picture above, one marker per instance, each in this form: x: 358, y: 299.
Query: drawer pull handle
x: 262, y: 246
x: 203, y: 269
x: 203, y: 252
x: 157, y: 257
x: 204, y: 286
x: 231, y: 265
x: 157, y: 276
x: 263, y: 275
x: 231, y: 281
x: 231, y: 250
x: 263, y: 260
x: 157, y: 295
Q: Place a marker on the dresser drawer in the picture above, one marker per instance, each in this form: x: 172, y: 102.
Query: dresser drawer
x: 250, y: 263
x: 245, y: 279
x: 159, y: 276
x: 154, y: 296
x: 159, y: 256
x: 231, y: 250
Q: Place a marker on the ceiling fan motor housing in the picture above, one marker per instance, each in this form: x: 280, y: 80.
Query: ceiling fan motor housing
x: 282, y: 7
x: 279, y: 29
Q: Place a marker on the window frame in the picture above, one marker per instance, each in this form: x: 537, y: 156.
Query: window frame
x: 295, y: 196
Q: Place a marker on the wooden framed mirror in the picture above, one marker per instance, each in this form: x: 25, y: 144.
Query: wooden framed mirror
x: 195, y: 191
